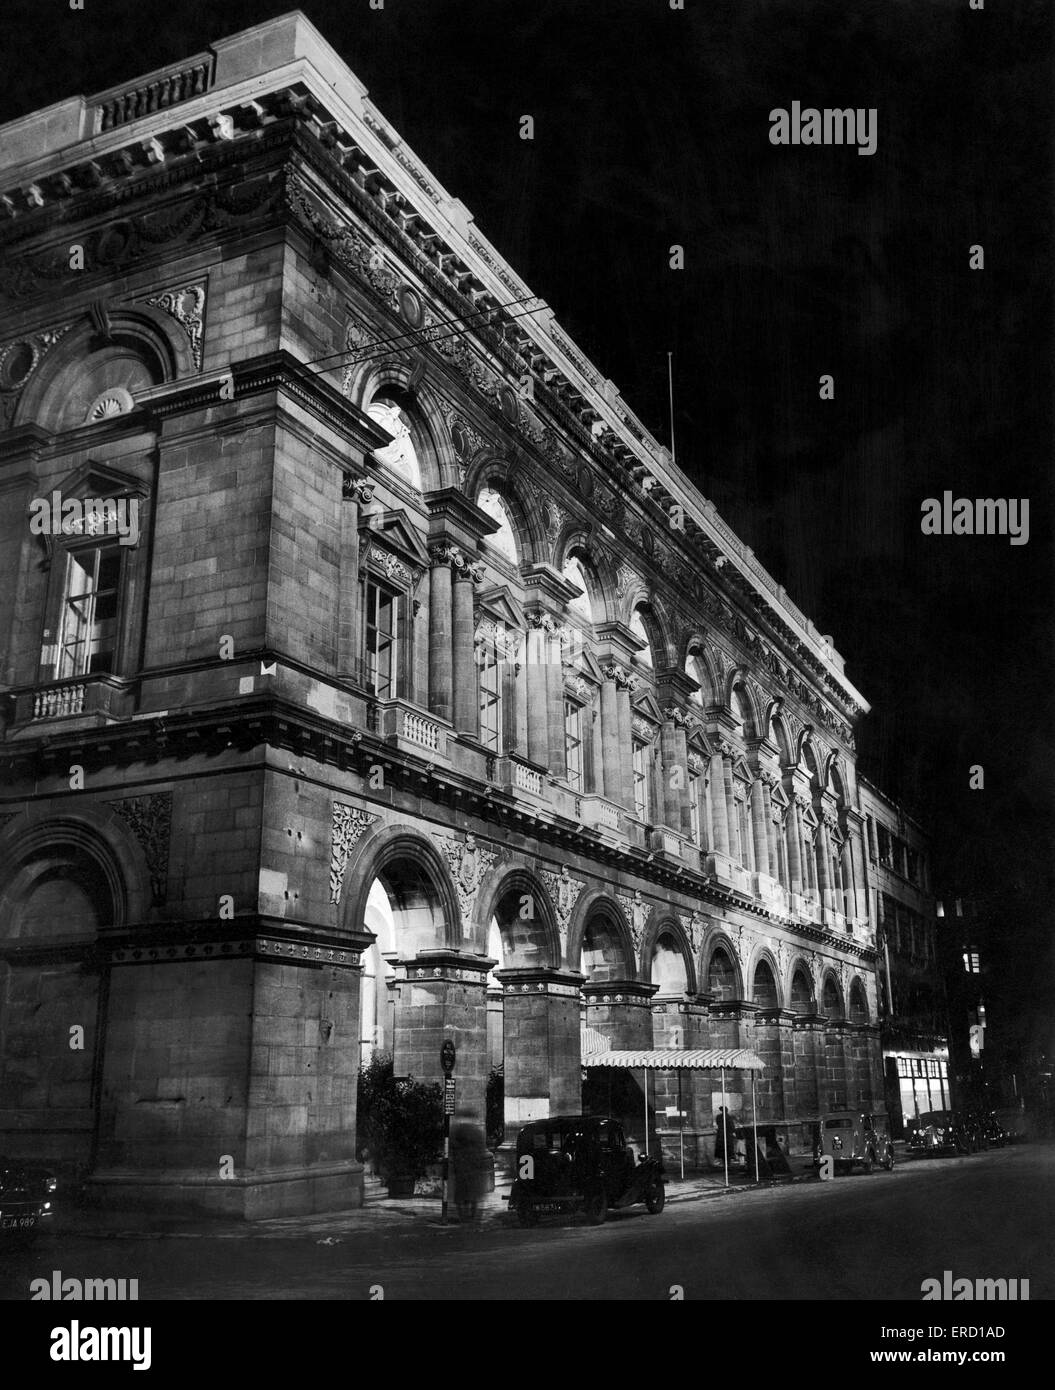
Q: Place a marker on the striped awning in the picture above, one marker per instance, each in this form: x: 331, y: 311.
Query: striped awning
x: 677, y: 1058
x: 591, y: 1040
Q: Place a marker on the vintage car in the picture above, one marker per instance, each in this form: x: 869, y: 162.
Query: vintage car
x: 25, y: 1200
x: 570, y: 1163
x: 849, y: 1137
x: 937, y: 1132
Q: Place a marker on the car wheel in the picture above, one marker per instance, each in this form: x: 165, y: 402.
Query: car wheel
x: 655, y: 1199
x: 596, y: 1206
x: 526, y: 1214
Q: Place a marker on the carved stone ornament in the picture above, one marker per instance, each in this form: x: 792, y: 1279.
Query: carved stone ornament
x: 622, y: 677
x: 186, y: 305
x: 348, y: 825
x: 453, y: 555
x: 150, y: 820
x: 393, y: 567
x: 694, y: 927
x: 626, y: 579
x: 695, y: 764
x: 643, y: 728
x: 564, y: 892
x: 469, y: 863
x: 637, y: 912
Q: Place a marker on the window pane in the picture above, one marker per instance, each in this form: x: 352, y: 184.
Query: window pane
x: 641, y: 780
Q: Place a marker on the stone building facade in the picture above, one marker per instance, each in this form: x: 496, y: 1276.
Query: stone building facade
x: 429, y: 700
x: 913, y: 1016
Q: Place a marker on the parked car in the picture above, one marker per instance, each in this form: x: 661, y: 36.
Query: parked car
x: 849, y: 1137
x: 570, y: 1163
x: 25, y: 1200
x: 939, y: 1132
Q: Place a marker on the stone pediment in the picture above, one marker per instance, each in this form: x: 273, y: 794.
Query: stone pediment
x: 589, y: 667
x: 93, y: 479
x: 698, y: 743
x: 741, y: 770
x: 645, y: 705
x: 500, y: 605
x: 395, y: 532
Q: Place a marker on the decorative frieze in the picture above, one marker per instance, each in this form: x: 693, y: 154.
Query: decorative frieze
x: 349, y: 822
x: 393, y: 567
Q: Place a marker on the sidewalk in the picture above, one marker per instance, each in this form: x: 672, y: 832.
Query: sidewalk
x: 379, y: 1212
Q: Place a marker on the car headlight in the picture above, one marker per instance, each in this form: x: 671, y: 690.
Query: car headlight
x: 51, y: 1184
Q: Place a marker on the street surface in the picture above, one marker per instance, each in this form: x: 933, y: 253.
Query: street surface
x: 862, y: 1237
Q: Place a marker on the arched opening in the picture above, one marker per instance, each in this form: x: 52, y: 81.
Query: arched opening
x: 602, y: 956
x: 721, y: 975
x: 858, y: 1003
x: 580, y: 608
x: 740, y: 709
x: 645, y: 657
x: 99, y: 385
x: 831, y: 1003
x: 765, y: 986
x: 50, y: 1020
x: 696, y: 667
x: 801, y: 992
x: 504, y: 540
x: 377, y: 1002
x: 668, y: 968
x: 391, y: 408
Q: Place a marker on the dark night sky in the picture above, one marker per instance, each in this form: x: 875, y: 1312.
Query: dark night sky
x: 651, y: 127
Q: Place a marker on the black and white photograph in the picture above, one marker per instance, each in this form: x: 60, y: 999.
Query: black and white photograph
x: 526, y: 668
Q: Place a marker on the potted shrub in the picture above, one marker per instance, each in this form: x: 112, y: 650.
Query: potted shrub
x: 400, y: 1124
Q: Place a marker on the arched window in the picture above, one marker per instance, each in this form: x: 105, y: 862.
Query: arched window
x: 721, y: 977
x: 858, y: 1003
x: 831, y: 1004
x: 388, y: 410
x: 504, y: 539
x: 668, y: 967
x: 375, y: 1007
x: 697, y: 669
x: 637, y: 627
x: 580, y: 608
x: 765, y: 988
x: 801, y: 993
x: 741, y: 712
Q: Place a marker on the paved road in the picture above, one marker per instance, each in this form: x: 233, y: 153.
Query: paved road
x: 862, y: 1237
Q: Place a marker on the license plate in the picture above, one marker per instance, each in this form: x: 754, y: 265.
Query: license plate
x: 18, y: 1223
x: 547, y: 1206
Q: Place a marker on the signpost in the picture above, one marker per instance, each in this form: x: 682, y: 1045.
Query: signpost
x: 447, y: 1060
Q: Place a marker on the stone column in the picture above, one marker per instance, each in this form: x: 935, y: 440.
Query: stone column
x: 624, y: 684
x: 671, y: 757
x: 719, y: 805
x: 438, y: 995
x: 541, y: 1032
x: 824, y: 865
x: 621, y: 1011
x: 557, y: 760
x: 772, y: 829
x: 465, y: 670
x: 354, y: 491
x: 795, y: 866
x: 441, y: 675
x: 732, y: 815
x: 759, y: 830
x: 595, y: 783
x: 610, y: 782
x: 537, y: 700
